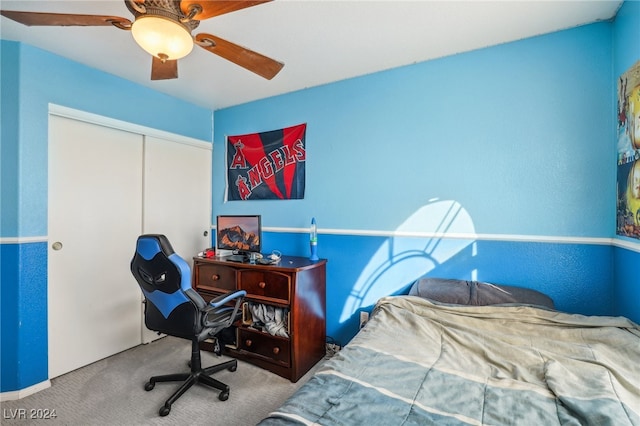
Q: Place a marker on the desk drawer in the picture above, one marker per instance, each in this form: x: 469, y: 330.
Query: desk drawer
x: 271, y: 285
x: 211, y: 276
x: 265, y: 345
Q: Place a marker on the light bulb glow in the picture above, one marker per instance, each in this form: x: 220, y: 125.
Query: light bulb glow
x: 162, y: 37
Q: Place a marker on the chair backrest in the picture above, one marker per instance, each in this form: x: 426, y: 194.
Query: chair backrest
x: 172, y: 306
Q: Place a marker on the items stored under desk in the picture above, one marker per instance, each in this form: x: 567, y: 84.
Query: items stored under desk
x: 295, y: 285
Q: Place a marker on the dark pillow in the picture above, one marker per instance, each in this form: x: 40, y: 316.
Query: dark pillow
x: 476, y: 293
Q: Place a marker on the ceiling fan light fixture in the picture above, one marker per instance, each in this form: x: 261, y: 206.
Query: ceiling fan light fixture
x: 162, y: 37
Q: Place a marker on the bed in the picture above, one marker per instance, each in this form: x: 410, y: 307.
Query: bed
x: 458, y: 352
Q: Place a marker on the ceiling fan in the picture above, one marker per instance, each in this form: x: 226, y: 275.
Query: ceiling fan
x: 163, y: 29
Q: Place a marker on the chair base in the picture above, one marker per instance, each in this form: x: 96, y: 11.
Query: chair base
x: 197, y: 375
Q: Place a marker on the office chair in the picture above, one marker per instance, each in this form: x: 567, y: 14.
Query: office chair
x: 172, y: 307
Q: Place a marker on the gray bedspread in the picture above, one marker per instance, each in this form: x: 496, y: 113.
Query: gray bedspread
x: 418, y: 363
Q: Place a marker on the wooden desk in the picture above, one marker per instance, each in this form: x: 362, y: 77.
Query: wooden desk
x: 295, y: 284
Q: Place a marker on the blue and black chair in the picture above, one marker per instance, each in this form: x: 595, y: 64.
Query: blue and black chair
x: 172, y: 307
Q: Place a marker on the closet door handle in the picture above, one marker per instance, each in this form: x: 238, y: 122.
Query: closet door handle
x: 56, y: 246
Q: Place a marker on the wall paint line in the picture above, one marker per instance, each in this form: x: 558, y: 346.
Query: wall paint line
x: 462, y: 236
x: 23, y: 240
x: 629, y: 245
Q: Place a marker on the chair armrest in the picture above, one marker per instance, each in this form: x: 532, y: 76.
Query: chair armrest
x: 217, y: 315
x: 224, y: 298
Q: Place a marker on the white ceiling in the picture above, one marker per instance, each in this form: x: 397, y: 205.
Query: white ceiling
x: 319, y: 41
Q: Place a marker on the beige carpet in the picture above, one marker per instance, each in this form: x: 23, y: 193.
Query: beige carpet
x: 111, y: 392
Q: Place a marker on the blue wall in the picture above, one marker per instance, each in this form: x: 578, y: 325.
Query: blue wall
x: 26, y: 96
x: 24, y: 101
x: 362, y: 269
x: 495, y: 165
x: 518, y: 134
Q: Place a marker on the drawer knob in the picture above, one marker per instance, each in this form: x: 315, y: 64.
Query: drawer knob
x: 215, y: 277
x: 276, y: 350
x: 248, y: 342
x: 262, y: 284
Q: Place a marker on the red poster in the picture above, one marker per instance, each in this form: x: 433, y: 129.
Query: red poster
x: 267, y: 166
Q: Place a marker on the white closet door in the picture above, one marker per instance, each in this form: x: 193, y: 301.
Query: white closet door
x: 177, y: 194
x: 95, y: 211
x: 177, y: 197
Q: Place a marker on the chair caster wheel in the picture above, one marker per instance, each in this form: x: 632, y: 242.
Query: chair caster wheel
x: 224, y: 395
x: 164, y: 410
x: 148, y: 386
x: 233, y: 368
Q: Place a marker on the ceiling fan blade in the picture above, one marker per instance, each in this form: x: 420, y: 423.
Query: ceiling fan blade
x: 163, y: 70
x: 248, y: 59
x: 211, y: 8
x: 63, y: 19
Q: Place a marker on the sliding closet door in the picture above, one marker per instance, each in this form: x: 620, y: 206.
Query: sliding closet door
x: 95, y: 211
x: 177, y: 197
x: 177, y: 194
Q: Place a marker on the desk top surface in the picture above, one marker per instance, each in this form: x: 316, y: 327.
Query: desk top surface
x: 285, y: 262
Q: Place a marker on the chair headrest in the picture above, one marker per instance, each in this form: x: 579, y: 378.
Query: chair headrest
x: 157, y: 267
x: 151, y: 244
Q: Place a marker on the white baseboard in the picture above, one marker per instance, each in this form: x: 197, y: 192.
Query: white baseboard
x: 19, y: 394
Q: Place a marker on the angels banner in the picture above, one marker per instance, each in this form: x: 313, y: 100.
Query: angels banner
x: 267, y: 166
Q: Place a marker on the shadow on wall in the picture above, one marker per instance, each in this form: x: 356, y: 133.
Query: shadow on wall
x: 439, y: 240
x: 416, y: 248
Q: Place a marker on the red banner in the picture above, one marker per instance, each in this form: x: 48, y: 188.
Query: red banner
x: 268, y: 165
